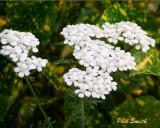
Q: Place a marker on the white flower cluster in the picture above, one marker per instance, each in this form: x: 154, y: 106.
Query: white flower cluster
x: 129, y: 33
x: 104, y: 56
x: 17, y: 45
x: 99, y: 58
x: 95, y: 84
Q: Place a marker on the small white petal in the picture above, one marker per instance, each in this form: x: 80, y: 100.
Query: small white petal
x: 39, y: 69
x: 87, y: 93
x: 27, y: 73
x: 21, y: 74
x: 35, y: 50
x: 81, y: 95
x: 16, y: 69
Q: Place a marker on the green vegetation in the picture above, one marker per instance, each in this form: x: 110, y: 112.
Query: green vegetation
x: 138, y: 93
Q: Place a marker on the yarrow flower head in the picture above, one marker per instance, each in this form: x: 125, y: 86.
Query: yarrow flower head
x: 104, y: 56
x: 89, y: 83
x: 24, y: 67
x: 129, y: 33
x: 17, y: 45
x: 99, y: 58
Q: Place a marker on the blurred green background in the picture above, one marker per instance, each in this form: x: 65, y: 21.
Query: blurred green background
x: 138, y: 94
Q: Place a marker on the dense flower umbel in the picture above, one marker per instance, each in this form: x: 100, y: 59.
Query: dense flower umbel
x: 99, y: 58
x: 17, y: 45
x: 129, y: 33
x: 104, y: 56
x: 24, y: 67
x: 94, y: 83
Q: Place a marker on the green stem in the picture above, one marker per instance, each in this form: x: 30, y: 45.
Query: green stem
x: 37, y: 100
x: 82, y: 114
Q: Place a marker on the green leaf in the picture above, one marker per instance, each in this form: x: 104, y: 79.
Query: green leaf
x: 117, y: 12
x: 144, y: 109
x: 73, y: 112
x: 72, y: 109
x: 147, y: 63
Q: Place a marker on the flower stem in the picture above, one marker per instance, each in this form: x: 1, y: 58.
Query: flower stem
x: 37, y: 100
x: 82, y: 114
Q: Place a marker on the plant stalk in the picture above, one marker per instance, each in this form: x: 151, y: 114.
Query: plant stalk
x: 37, y: 100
